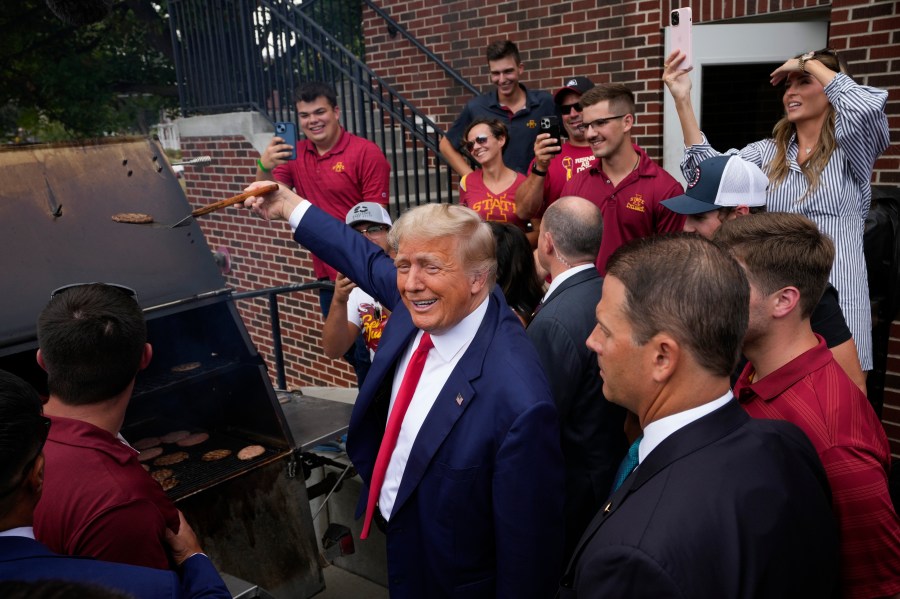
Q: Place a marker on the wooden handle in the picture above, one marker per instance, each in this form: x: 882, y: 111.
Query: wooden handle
x: 235, y: 200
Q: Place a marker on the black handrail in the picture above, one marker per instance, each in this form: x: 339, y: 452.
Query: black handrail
x: 272, y: 294
x: 251, y: 54
x: 394, y: 27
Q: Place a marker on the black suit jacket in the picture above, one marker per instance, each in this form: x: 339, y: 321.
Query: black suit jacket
x: 726, y: 507
x: 593, y: 440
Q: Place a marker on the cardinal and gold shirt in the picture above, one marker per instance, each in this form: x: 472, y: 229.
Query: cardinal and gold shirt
x: 499, y: 207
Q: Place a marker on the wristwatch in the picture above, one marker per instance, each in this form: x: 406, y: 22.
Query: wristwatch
x: 536, y: 171
x: 802, y: 60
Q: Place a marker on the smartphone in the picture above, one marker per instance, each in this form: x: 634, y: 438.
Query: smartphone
x: 682, y: 22
x: 550, y: 124
x: 288, y: 132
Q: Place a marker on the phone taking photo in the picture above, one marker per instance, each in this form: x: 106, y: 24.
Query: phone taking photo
x: 550, y: 124
x: 681, y: 33
x: 288, y: 132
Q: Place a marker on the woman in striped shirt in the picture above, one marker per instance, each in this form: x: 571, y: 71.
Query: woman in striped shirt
x: 819, y: 163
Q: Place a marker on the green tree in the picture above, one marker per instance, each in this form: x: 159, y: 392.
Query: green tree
x: 112, y: 76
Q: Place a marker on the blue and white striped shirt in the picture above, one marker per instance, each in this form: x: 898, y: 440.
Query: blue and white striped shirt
x: 840, y: 203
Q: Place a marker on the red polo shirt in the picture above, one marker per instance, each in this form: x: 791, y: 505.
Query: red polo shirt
x: 353, y: 171
x: 570, y: 161
x: 814, y: 393
x: 98, y: 501
x: 631, y: 209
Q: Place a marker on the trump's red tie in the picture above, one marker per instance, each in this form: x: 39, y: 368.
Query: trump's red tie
x: 392, y: 431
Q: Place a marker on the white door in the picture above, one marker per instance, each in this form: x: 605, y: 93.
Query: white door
x: 734, y: 45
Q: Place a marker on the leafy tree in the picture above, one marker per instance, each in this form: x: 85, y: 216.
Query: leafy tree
x: 111, y: 76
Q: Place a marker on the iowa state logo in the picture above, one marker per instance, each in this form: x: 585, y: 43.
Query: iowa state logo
x: 338, y: 168
x: 531, y: 124
x: 636, y: 203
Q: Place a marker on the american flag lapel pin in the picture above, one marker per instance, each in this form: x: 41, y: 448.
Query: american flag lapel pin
x: 459, y: 399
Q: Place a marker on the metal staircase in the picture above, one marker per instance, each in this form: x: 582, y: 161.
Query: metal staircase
x: 236, y: 55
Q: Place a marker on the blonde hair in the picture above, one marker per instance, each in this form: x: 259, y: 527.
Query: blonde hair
x: 778, y: 168
x: 435, y: 221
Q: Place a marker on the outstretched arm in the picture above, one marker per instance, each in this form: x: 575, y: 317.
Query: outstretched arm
x: 679, y: 84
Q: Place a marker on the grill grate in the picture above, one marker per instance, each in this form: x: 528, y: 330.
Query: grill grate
x: 193, y: 474
x: 152, y: 382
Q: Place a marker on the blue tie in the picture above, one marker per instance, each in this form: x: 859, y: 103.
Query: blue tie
x: 629, y: 463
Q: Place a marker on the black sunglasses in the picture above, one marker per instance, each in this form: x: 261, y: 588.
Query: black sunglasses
x: 567, y: 108
x: 480, y: 140
x: 126, y: 290
x: 43, y: 431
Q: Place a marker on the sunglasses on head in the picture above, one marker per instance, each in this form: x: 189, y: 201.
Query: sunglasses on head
x: 567, y: 108
x: 126, y: 290
x: 480, y: 140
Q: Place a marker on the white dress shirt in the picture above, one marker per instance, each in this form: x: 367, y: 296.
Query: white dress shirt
x: 656, y: 432
x: 21, y: 531
x: 558, y: 279
x: 449, y: 348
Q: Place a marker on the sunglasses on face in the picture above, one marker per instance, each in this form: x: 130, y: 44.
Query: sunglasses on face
x: 372, y: 230
x: 597, y: 124
x: 126, y: 290
x: 480, y: 140
x: 567, y: 108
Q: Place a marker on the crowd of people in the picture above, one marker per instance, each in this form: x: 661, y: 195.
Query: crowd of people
x: 581, y: 381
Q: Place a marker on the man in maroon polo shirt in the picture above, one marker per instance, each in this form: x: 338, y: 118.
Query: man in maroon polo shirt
x: 793, y: 376
x: 335, y: 170
x: 624, y: 183
x: 97, y: 499
x: 556, y: 161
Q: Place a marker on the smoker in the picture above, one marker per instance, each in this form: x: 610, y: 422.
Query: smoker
x: 252, y: 516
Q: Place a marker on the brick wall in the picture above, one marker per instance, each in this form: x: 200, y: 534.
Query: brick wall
x: 607, y: 41
x: 263, y: 255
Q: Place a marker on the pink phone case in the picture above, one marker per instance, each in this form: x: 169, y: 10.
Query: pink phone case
x: 681, y: 35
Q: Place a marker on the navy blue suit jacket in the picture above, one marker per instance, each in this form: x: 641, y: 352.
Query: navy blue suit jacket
x: 591, y: 428
x: 22, y: 558
x: 727, y: 506
x: 479, y: 509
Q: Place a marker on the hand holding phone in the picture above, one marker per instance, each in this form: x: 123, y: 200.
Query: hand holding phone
x: 288, y: 132
x: 550, y: 124
x: 681, y: 34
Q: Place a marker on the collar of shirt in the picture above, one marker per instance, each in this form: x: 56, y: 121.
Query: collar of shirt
x: 450, y: 343
x: 337, y: 148
x: 555, y: 283
x: 644, y: 166
x: 656, y: 432
x: 776, y: 383
x: 531, y: 99
x: 21, y: 531
x: 77, y: 433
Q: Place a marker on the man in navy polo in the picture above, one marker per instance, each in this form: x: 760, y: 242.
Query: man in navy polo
x: 518, y: 108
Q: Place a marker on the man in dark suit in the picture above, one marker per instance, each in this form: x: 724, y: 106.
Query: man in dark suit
x: 593, y: 439
x: 470, y: 490
x: 23, y: 431
x: 719, y: 505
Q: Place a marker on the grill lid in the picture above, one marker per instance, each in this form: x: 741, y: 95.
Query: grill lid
x: 56, y: 228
